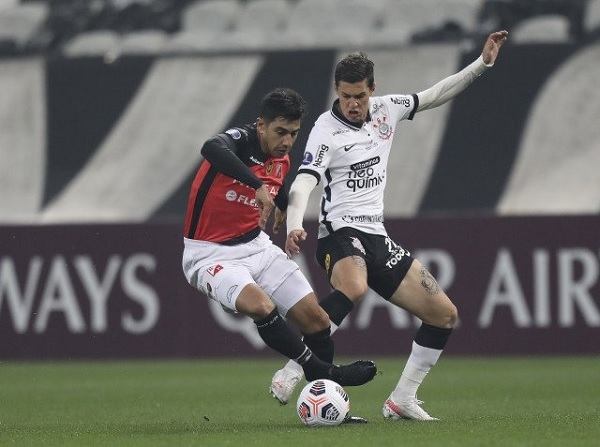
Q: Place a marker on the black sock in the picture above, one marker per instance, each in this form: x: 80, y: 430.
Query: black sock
x: 432, y: 337
x: 321, y: 344
x: 277, y: 335
x: 315, y: 368
x: 337, y: 305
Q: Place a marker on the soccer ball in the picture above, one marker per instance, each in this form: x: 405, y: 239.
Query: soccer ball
x: 323, y: 402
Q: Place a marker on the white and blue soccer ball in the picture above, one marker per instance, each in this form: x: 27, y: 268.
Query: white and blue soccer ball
x: 323, y: 402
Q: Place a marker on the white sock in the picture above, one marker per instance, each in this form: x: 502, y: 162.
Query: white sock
x: 419, y: 363
x: 293, y: 366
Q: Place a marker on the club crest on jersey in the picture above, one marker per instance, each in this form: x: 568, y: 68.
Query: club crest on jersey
x: 327, y: 262
x: 384, y: 129
x: 276, y: 166
x: 214, y: 269
x: 356, y: 243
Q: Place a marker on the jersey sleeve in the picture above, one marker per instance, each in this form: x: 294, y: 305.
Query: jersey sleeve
x: 402, y: 107
x: 450, y: 87
x: 318, y: 152
x: 221, y: 151
x: 282, y: 198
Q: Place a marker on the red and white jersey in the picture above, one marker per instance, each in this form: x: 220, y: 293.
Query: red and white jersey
x: 351, y: 162
x: 222, y: 209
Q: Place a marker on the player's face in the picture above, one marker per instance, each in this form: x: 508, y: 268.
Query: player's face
x: 277, y: 137
x: 354, y: 100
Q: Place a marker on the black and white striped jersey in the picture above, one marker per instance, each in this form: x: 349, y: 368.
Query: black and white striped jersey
x: 351, y: 160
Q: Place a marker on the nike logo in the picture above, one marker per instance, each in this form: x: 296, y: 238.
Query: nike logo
x: 348, y: 147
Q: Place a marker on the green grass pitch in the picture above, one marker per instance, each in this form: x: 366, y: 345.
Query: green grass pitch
x: 539, y: 401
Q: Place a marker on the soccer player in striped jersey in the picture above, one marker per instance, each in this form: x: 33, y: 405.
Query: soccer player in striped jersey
x: 347, y: 152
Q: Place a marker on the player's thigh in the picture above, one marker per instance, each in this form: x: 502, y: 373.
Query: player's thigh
x: 342, y: 255
x: 280, y: 278
x: 420, y: 294
x: 294, y: 293
x: 223, y: 282
x: 349, y: 276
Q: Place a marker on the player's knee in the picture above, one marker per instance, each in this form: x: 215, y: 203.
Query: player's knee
x: 321, y: 321
x: 447, y: 316
x: 309, y: 316
x: 354, y: 289
x: 317, y: 321
x: 444, y: 316
x: 260, y: 309
x: 452, y: 316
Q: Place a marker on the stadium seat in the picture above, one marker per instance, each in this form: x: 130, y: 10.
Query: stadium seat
x: 92, y: 43
x: 592, y: 16
x: 143, y: 42
x: 334, y: 24
x: 20, y: 23
x: 184, y: 42
x: 8, y: 4
x: 203, y: 23
x: 402, y: 19
x: 210, y: 15
x: 462, y: 12
x: 263, y: 14
x: 551, y: 28
x: 257, y: 26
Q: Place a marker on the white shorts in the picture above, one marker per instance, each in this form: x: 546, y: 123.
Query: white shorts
x: 222, y: 271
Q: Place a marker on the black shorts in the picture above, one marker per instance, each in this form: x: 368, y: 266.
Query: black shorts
x: 387, y: 262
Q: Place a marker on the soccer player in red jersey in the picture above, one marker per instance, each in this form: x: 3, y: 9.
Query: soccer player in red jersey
x: 229, y: 258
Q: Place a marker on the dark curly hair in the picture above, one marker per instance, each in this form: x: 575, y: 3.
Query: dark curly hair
x: 355, y: 67
x: 282, y: 102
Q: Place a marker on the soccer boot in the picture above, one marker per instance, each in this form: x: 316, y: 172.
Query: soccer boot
x: 406, y: 410
x: 283, y: 383
x: 354, y: 374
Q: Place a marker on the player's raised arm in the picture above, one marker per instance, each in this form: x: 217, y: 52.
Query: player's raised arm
x: 450, y: 87
x: 492, y: 46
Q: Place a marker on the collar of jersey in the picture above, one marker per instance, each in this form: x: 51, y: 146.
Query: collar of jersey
x: 338, y: 116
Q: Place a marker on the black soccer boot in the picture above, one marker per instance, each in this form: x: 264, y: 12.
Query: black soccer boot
x: 354, y: 374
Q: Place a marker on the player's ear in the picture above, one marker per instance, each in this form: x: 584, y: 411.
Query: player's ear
x: 373, y: 88
x: 261, y: 126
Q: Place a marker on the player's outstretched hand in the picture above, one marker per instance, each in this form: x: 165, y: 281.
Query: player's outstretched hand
x: 265, y: 204
x: 492, y: 46
x: 291, y: 243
